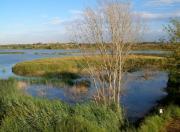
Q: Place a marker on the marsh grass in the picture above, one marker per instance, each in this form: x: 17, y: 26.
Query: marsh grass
x: 19, y: 112
x: 70, y: 66
x: 45, y: 67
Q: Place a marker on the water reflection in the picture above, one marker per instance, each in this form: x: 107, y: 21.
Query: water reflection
x: 140, y: 94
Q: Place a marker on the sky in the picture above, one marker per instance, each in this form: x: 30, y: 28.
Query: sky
x: 32, y: 21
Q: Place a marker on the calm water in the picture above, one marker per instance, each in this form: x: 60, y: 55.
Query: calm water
x: 139, y: 96
x: 8, y: 60
x: 140, y: 93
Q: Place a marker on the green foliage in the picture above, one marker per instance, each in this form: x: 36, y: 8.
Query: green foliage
x: 80, y: 124
x: 173, y: 30
x: 173, y: 88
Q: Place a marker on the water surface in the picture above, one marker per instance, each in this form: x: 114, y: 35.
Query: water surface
x: 140, y: 93
x: 7, y: 61
x: 139, y: 96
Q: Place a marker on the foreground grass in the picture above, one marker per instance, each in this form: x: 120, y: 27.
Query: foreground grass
x: 158, y: 122
x: 19, y: 112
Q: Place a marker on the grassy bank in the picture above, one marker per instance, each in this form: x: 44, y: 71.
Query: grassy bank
x: 73, y: 66
x: 159, y: 122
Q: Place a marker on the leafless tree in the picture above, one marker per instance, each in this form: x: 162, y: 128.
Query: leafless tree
x: 111, y: 29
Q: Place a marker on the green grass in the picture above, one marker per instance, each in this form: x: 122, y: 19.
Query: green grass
x: 57, y: 66
x: 19, y: 112
x: 66, y: 70
x: 157, y: 122
x: 46, y: 67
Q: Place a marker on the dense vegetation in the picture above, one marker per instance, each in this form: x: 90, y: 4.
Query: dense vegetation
x: 173, y: 30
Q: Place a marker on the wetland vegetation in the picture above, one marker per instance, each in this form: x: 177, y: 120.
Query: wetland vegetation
x: 22, y: 112
x: 106, y: 80
x: 43, y: 67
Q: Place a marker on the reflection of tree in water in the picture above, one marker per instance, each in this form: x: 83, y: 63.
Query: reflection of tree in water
x: 149, y: 72
x: 22, y: 85
x: 142, y: 75
x: 79, y: 90
x: 3, y: 69
x: 147, y: 75
x: 43, y: 91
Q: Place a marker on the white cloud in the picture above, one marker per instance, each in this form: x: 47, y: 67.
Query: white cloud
x: 33, y: 36
x: 157, y: 16
x: 76, y: 12
x: 162, y: 2
x: 55, y: 21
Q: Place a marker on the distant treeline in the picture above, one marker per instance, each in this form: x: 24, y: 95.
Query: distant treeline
x: 138, y: 46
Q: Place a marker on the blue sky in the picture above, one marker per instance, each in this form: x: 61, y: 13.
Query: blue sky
x: 31, y: 21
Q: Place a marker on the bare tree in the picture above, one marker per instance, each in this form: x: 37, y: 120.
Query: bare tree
x: 111, y: 29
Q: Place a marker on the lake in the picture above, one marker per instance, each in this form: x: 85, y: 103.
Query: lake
x: 139, y: 96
